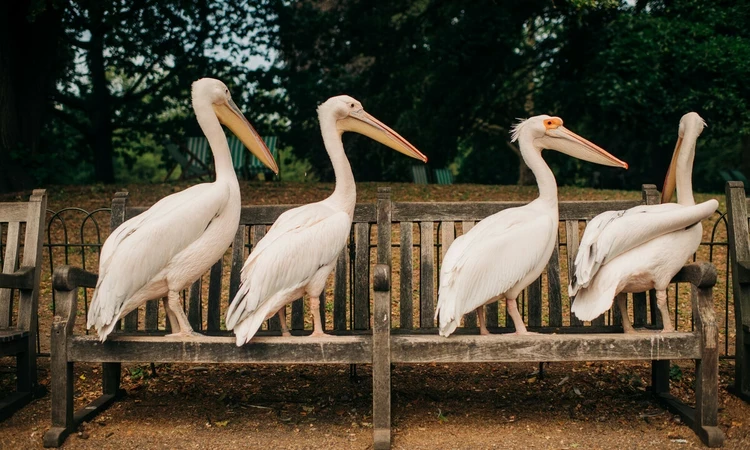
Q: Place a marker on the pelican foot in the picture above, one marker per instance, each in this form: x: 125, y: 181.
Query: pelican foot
x: 286, y: 334
x: 484, y: 332
x: 319, y: 334
x: 522, y: 333
x: 187, y: 335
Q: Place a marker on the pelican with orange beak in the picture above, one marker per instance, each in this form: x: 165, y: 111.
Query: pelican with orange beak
x: 642, y: 248
x: 165, y: 249
x: 300, y: 250
x: 508, y: 250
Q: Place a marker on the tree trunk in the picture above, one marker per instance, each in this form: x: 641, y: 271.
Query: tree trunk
x: 29, y: 46
x: 101, y: 101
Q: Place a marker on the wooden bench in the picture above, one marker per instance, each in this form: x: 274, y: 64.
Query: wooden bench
x: 21, y: 226
x: 141, y: 337
x: 422, y: 232
x: 428, y: 229
x: 739, y: 249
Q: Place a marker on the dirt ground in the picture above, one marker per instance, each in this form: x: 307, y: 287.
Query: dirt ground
x: 461, y: 406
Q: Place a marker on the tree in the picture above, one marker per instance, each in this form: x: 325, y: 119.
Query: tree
x: 30, y: 49
x: 135, y: 61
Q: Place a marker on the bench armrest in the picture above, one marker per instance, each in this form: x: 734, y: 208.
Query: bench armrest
x: 700, y: 274
x: 65, y: 281
x: 22, y: 278
x: 702, y: 277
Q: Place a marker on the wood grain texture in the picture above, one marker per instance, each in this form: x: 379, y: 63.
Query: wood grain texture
x: 406, y: 304
x: 536, y: 348
x: 362, y: 276
x: 213, y: 349
x: 572, y: 242
x: 427, y: 274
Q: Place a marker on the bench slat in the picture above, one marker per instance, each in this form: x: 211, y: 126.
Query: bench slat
x: 238, y: 259
x: 470, y: 319
x: 213, y: 319
x: 361, y: 276
x: 222, y: 349
x: 534, y: 301
x: 195, y: 311
x: 10, y: 264
x: 407, y: 268
x: 339, y: 291
x: 554, y: 287
x: 571, y: 242
x: 543, y: 347
x: 426, y: 274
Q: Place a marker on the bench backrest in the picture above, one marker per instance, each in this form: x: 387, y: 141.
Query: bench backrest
x: 21, y: 234
x: 207, y: 299
x: 426, y: 230
x: 739, y: 249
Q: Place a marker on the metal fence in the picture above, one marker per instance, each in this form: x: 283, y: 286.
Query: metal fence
x: 75, y: 236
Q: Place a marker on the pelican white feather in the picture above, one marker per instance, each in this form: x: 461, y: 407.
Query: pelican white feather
x: 508, y: 250
x: 300, y: 250
x: 643, y: 247
x: 166, y: 248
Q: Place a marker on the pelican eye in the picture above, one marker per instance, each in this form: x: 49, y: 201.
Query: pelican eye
x: 352, y: 105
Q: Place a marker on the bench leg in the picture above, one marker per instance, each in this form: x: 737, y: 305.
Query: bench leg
x: 742, y: 363
x: 660, y: 377
x: 61, y: 388
x: 381, y: 360
x: 24, y: 387
x: 707, y: 399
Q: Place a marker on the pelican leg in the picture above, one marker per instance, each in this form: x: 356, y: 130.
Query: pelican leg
x: 282, y: 319
x: 174, y: 325
x: 482, y: 321
x: 622, y: 303
x: 661, y: 303
x: 517, y: 319
x: 173, y: 305
x: 317, y: 324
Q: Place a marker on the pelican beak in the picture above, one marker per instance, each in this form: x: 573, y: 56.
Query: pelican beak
x: 563, y: 140
x: 670, y: 181
x: 363, y: 123
x: 229, y: 114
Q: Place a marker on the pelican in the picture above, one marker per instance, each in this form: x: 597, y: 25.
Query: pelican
x: 300, y: 249
x: 508, y: 250
x: 163, y: 250
x: 643, y: 247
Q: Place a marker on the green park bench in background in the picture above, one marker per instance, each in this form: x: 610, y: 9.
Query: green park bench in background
x: 195, y: 158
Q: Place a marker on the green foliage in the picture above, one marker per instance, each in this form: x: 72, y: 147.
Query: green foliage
x: 675, y: 373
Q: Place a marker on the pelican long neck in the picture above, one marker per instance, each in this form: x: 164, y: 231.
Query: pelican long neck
x: 684, y: 174
x: 211, y: 127
x: 545, y: 179
x: 345, y: 193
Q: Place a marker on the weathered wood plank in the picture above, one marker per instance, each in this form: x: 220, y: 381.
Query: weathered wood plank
x: 639, y: 309
x: 554, y: 287
x: 213, y: 319
x: 10, y: 264
x: 406, y: 304
x: 536, y: 348
x: 238, y: 260
x: 427, y: 273
x: 470, y: 319
x: 361, y: 276
x: 195, y: 311
x: 534, y: 302
x: 152, y: 315
x: 381, y: 356
x: 267, y: 214
x: 298, y: 314
x: 571, y: 243
x: 213, y: 349
x: 339, y: 290
x: 429, y: 212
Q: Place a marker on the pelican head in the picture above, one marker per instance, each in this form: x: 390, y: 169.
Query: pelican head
x: 230, y: 115
x: 691, y: 126
x: 350, y: 116
x: 548, y: 132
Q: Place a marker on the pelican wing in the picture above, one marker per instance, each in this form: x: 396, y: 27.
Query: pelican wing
x: 612, y: 233
x: 300, y: 242
x: 141, y: 247
x: 489, y: 263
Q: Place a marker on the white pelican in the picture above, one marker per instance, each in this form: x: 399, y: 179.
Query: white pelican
x: 643, y: 247
x: 165, y: 249
x: 300, y: 249
x: 508, y: 250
